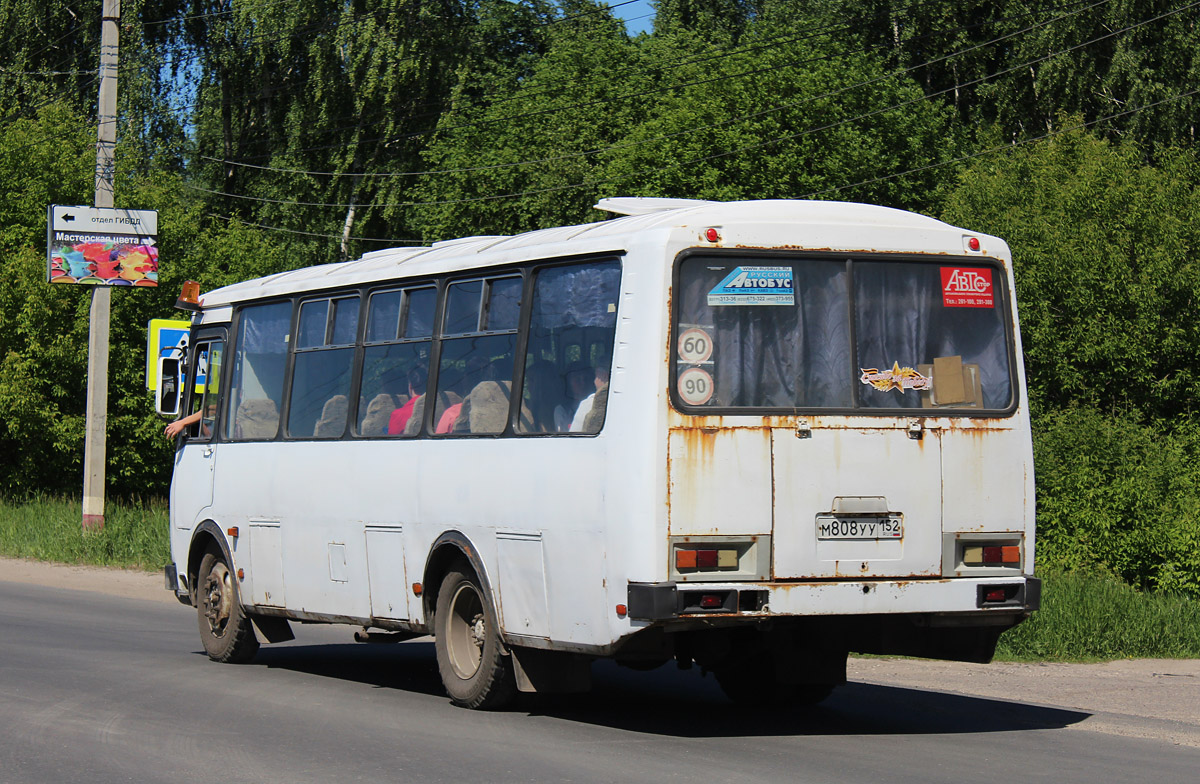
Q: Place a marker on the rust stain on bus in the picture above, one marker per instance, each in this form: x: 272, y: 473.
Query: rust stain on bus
x: 857, y: 251
x: 852, y: 422
x: 701, y: 444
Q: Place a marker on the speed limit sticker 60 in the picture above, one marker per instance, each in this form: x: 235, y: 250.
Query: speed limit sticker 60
x: 695, y: 386
x: 695, y: 346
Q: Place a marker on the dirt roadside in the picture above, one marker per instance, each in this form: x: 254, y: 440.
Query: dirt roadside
x: 1149, y: 698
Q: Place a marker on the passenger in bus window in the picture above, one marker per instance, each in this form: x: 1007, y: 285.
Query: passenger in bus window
x: 545, y: 395
x: 205, y: 416
x: 579, y: 386
x: 585, y: 418
x: 173, y: 429
x: 416, y: 390
x: 445, y: 423
x: 485, y: 408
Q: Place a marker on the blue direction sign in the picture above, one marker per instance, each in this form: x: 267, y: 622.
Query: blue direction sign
x: 162, y: 337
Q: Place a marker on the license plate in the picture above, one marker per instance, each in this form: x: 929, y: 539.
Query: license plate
x: 882, y: 527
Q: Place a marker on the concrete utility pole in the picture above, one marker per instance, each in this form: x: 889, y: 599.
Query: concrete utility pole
x: 96, y: 427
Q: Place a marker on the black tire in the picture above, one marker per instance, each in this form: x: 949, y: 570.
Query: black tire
x: 225, y: 631
x: 475, y: 669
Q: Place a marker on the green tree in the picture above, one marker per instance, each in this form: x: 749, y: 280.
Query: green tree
x: 1118, y: 495
x: 786, y: 114
x: 781, y: 115
x: 44, y: 327
x: 1019, y: 65
x: 721, y: 21
x: 1105, y: 251
x: 50, y: 54
x: 298, y: 127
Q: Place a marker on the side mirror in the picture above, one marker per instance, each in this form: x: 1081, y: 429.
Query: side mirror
x: 168, y: 396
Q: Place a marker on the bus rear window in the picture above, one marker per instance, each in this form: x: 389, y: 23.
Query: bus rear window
x: 785, y: 333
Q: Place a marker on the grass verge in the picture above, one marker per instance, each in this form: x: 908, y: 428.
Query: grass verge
x: 1090, y: 616
x: 50, y: 529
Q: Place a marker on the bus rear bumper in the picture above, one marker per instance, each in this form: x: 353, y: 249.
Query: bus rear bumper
x: 969, y: 600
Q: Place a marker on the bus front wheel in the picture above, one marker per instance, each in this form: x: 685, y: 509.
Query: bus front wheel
x: 226, y: 632
x: 475, y: 670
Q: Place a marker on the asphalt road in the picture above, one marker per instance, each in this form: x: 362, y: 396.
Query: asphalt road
x: 103, y: 688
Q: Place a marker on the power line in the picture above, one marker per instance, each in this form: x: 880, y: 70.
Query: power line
x: 312, y: 233
x: 808, y: 131
x: 525, y: 94
x: 360, y: 120
x: 953, y: 88
x: 917, y: 170
x: 21, y: 113
x: 1002, y: 148
x: 529, y: 93
x: 9, y: 72
x: 752, y: 72
x: 742, y: 118
x: 72, y: 31
x: 209, y: 15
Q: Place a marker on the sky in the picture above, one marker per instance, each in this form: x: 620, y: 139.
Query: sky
x: 638, y: 15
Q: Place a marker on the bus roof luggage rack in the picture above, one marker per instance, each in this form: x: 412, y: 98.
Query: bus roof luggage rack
x: 644, y: 205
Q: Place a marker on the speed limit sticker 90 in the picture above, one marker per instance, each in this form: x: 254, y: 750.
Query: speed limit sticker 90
x: 695, y: 386
x: 695, y: 346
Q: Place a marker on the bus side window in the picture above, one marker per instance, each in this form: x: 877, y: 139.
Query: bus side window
x: 568, y: 361
x: 478, y: 347
x: 319, y: 401
x: 260, y: 360
x: 395, y: 367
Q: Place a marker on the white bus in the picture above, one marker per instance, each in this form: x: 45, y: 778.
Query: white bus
x: 755, y: 436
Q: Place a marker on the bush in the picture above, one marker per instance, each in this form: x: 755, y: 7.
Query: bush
x: 1118, y: 496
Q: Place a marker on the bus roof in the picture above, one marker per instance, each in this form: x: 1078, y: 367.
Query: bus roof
x: 638, y: 216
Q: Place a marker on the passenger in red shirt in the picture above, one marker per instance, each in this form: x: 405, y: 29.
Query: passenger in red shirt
x: 416, y: 390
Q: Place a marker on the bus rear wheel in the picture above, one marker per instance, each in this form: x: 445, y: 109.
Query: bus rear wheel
x: 475, y: 670
x: 225, y: 631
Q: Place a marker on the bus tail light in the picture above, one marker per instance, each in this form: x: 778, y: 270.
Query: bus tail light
x: 992, y: 555
x: 706, y: 558
x: 720, y: 558
x: 691, y: 602
x: 1010, y: 595
x: 980, y: 553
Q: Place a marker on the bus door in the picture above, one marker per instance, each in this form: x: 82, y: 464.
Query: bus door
x: 195, y: 455
x: 857, y: 502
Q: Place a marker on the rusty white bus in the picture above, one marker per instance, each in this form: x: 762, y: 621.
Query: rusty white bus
x: 754, y: 436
